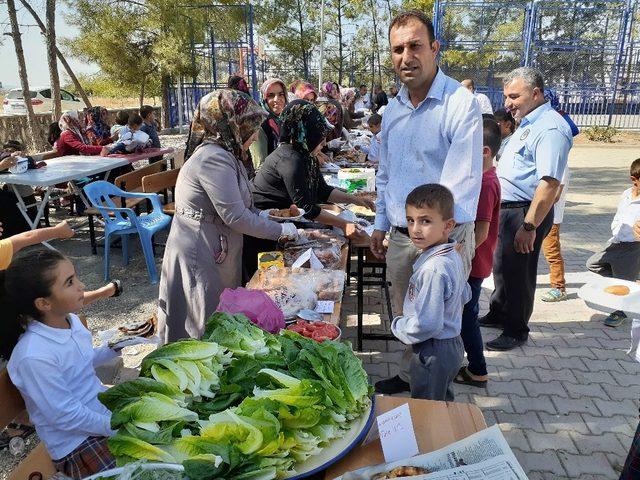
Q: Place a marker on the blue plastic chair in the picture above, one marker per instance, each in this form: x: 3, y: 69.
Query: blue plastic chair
x: 124, y: 222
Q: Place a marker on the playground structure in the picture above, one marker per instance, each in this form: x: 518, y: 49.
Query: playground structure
x: 588, y: 51
x: 215, y: 55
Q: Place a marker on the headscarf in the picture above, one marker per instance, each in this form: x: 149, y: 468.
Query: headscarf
x: 329, y: 111
x: 348, y: 97
x: 551, y: 96
x: 69, y: 121
x: 238, y: 83
x: 303, y: 89
x: 304, y: 127
x: 294, y: 85
x: 331, y: 90
x: 273, y: 120
x: 227, y: 118
x: 97, y: 122
x: 332, y: 111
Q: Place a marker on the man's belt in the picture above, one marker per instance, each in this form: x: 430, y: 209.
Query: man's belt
x: 402, y: 230
x: 514, y: 204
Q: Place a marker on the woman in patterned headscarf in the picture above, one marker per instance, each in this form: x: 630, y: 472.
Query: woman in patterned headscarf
x: 213, y: 210
x: 72, y: 139
x: 348, y: 109
x: 305, y: 91
x: 333, y: 112
x: 274, y: 99
x: 291, y: 175
x: 98, y: 131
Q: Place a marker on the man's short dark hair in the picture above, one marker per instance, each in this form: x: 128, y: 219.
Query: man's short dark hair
x: 374, y: 119
x: 432, y: 195
x: 503, y: 116
x: 491, y: 136
x: 635, y: 168
x: 134, y: 120
x: 403, y: 18
x: 145, y: 111
x: 363, y: 86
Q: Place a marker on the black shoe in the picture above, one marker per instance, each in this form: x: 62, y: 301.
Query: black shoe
x: 504, y: 343
x: 392, y: 385
x: 489, y: 322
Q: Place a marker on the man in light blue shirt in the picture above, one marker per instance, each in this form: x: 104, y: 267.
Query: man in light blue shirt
x: 431, y: 133
x: 530, y: 170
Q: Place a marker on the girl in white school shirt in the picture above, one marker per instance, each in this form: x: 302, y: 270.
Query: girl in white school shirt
x: 53, y: 361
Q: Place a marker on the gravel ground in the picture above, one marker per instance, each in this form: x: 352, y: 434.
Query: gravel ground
x: 138, y: 300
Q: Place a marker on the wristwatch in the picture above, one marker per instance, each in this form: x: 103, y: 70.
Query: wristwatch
x: 528, y: 227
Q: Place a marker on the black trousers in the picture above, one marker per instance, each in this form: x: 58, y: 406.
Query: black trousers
x: 514, y: 274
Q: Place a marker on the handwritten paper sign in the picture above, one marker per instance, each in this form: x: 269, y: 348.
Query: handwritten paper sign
x: 396, y: 434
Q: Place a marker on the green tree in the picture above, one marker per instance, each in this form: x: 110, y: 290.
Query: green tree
x: 290, y: 27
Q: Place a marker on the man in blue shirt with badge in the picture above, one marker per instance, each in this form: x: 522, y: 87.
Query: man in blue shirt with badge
x: 530, y: 171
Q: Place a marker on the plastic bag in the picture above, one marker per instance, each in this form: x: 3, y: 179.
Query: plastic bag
x: 256, y: 305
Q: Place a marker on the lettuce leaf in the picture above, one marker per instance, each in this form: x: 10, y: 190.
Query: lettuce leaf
x: 127, y: 447
x: 120, y: 395
x: 239, y: 335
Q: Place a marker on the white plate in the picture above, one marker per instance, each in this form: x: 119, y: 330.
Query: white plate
x: 317, y: 463
x: 286, y: 219
x: 595, y: 297
x: 338, y: 448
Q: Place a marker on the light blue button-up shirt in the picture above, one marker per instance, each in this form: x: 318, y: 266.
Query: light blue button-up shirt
x: 538, y: 148
x: 439, y: 141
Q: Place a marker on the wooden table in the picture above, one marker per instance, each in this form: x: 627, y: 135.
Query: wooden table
x: 436, y: 425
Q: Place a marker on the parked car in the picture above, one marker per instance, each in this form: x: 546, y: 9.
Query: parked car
x: 40, y: 99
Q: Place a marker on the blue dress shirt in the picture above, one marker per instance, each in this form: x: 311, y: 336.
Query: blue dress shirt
x: 538, y: 148
x: 438, y: 141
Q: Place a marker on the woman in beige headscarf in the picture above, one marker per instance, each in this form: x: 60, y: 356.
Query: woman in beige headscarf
x: 214, y: 209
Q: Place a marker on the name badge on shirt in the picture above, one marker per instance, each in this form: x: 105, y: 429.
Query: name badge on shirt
x: 524, y: 135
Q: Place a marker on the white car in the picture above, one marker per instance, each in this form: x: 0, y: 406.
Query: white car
x: 40, y: 99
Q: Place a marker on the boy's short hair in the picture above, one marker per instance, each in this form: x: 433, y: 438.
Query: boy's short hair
x: 12, y: 145
x: 503, y: 116
x: 491, y: 136
x: 122, y: 117
x: 432, y: 195
x: 635, y: 168
x: 375, y: 119
x: 145, y: 110
x: 134, y: 120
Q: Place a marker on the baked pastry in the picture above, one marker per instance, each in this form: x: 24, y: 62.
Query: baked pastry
x: 292, y: 211
x: 620, y: 290
x: 399, y: 472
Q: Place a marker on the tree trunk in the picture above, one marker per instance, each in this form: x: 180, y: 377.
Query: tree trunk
x: 164, y: 82
x: 303, y: 49
x: 340, y: 50
x: 375, y: 38
x: 31, y: 142
x: 142, y: 85
x: 52, y: 59
x: 63, y: 60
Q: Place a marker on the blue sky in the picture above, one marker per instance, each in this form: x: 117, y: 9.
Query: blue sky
x: 34, y: 49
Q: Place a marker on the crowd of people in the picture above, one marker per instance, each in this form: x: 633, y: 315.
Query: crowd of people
x: 463, y: 192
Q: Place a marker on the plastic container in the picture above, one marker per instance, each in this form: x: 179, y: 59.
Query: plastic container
x: 357, y: 179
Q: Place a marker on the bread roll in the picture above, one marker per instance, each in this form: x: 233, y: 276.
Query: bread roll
x: 618, y: 290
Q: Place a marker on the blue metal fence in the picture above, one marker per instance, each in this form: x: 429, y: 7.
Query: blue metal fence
x: 588, y: 51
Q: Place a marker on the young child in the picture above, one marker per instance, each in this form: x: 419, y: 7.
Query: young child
x: 486, y: 236
x: 149, y: 127
x: 122, y: 117
x: 437, y: 291
x: 621, y: 257
x: 131, y: 138
x: 53, y: 363
x: 375, y: 126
